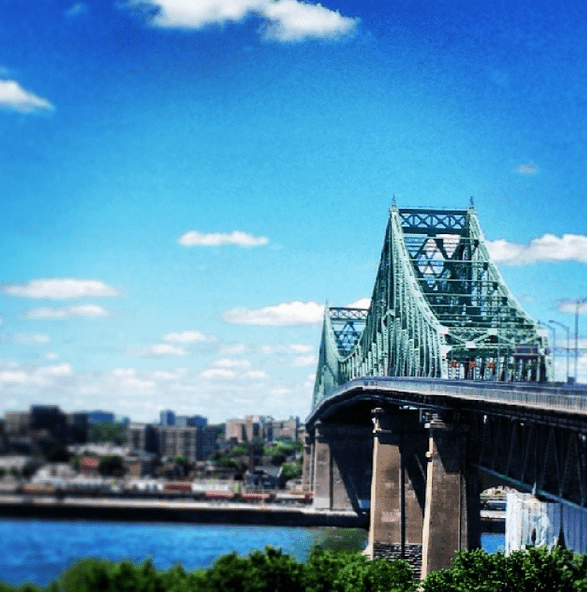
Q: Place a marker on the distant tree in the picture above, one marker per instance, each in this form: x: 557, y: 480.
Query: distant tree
x: 109, y: 431
x: 292, y: 470
x: 111, y: 465
x: 58, y: 453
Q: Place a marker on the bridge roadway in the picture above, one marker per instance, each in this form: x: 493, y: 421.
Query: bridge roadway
x: 414, y: 454
x: 436, y: 393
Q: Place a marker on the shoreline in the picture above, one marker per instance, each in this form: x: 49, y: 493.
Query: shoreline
x: 147, y: 510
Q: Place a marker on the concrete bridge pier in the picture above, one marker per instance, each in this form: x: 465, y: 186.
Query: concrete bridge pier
x: 339, y: 468
x: 398, y: 486
x: 452, y: 517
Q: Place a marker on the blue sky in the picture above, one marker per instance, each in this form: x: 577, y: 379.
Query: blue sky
x: 185, y: 183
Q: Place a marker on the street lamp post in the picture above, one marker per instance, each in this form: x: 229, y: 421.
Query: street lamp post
x: 553, y: 345
x: 568, y: 348
x: 577, y: 305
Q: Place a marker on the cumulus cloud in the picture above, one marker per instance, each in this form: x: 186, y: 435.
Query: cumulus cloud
x: 570, y: 307
x: 268, y: 349
x: 60, y: 288
x: 160, y: 350
x: 87, y: 311
x: 231, y: 363
x: 194, y: 238
x: 217, y: 373
x: 286, y: 313
x: 527, y: 169
x: 305, y: 361
x: 290, y: 20
x: 360, y: 303
x: 282, y: 20
x: 14, y: 97
x: 41, y: 375
x: 128, y: 377
x: 25, y: 338
x: 187, y: 337
x: 569, y: 247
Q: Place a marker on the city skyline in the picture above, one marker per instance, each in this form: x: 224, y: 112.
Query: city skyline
x: 186, y: 184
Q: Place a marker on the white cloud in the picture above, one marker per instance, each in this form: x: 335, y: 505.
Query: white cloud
x: 360, y: 303
x: 290, y: 20
x: 294, y: 348
x: 127, y: 377
x: 57, y: 370
x: 16, y: 98
x: 527, y: 169
x: 570, y: 307
x: 160, y: 349
x: 286, y: 313
x: 305, y: 361
x: 569, y: 247
x: 87, y: 311
x: 194, y: 238
x: 25, y: 338
x: 231, y: 363
x: 241, y: 348
x: 217, y: 392
x: 41, y: 375
x: 217, y: 373
x: 188, y: 337
x: 60, y: 288
x: 168, y: 375
x: 256, y: 374
x: 283, y: 20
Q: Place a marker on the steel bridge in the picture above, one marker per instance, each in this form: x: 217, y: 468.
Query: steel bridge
x: 443, y: 386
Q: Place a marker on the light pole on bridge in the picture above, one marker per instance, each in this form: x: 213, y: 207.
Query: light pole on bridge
x: 568, y: 348
x: 577, y: 306
x: 553, y: 344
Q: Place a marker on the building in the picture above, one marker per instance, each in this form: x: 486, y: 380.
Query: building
x: 193, y: 421
x: 42, y: 427
x: 288, y: 428
x: 250, y: 428
x: 101, y: 417
x: 142, y: 437
x: 193, y: 443
x: 167, y: 418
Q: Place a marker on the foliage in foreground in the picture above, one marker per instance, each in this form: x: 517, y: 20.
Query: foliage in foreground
x: 535, y: 570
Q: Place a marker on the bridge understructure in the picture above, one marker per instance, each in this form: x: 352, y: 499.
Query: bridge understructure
x: 420, y: 451
x: 422, y: 400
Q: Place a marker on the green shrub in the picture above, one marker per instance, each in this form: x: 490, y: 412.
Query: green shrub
x: 532, y: 570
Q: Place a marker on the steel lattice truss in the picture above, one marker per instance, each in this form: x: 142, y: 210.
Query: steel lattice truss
x: 440, y: 308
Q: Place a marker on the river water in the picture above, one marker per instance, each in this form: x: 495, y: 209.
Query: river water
x: 39, y: 550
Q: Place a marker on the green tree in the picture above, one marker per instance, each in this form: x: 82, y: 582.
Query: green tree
x: 292, y: 470
x: 109, y: 431
x: 111, y: 465
x: 532, y: 570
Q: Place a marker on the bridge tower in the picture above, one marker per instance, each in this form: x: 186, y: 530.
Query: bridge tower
x: 440, y: 309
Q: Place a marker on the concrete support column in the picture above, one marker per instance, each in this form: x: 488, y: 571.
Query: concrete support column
x: 397, y: 486
x: 308, y: 463
x: 322, y: 470
x: 452, y: 516
x: 341, y: 466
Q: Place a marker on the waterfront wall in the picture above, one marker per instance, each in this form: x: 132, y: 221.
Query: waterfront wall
x: 164, y: 511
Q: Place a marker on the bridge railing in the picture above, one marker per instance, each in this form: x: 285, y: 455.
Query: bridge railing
x: 549, y: 397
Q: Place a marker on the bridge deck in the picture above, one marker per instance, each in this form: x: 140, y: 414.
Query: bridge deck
x: 541, y: 397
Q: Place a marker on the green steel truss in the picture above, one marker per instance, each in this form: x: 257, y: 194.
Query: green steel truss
x: 439, y: 309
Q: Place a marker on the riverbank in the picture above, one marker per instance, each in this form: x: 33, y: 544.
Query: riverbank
x: 148, y: 510
x: 187, y: 511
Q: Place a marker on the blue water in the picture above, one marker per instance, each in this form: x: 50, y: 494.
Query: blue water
x: 39, y: 550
